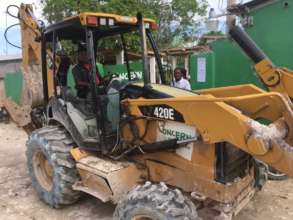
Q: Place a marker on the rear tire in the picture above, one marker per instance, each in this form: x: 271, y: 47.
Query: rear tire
x: 51, y: 166
x: 155, y: 202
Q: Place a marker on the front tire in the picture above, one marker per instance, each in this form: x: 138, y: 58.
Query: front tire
x: 51, y: 166
x: 155, y: 202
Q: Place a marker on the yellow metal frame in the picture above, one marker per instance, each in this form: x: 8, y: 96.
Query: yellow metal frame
x: 231, y: 119
x: 276, y: 79
x: 117, y: 18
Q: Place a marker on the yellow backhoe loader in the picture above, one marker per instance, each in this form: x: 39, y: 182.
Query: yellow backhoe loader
x: 156, y: 151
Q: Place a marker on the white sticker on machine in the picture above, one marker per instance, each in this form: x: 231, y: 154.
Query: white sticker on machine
x: 170, y: 130
x: 201, y: 69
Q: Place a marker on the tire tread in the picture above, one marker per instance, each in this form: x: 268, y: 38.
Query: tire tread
x: 165, y: 200
x: 55, y: 143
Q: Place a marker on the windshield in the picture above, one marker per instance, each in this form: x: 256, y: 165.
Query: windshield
x: 118, y: 55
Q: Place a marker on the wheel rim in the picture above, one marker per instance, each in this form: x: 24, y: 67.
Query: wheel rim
x: 142, y: 217
x: 43, y: 171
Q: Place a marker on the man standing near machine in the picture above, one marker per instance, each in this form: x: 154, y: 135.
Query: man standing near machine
x: 179, y: 80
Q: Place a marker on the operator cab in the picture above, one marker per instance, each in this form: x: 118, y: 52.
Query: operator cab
x: 94, y: 120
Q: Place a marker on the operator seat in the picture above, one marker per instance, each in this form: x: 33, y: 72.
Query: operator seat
x: 70, y: 95
x: 82, y: 105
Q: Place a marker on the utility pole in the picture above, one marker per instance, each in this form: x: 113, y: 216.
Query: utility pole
x: 230, y: 18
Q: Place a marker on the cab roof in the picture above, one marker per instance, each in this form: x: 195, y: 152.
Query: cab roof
x: 103, y: 24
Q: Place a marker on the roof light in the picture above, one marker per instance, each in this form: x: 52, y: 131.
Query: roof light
x: 92, y: 21
x: 126, y: 19
x: 103, y: 21
x: 111, y: 22
x: 154, y: 26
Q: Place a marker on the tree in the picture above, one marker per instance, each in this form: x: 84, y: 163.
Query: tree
x: 174, y: 17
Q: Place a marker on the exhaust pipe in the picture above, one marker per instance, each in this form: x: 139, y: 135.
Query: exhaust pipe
x: 146, y: 71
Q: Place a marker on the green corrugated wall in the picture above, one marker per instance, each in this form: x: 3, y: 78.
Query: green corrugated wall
x: 13, y: 86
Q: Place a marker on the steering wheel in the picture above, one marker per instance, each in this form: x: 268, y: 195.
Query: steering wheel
x: 106, y: 80
x: 112, y: 76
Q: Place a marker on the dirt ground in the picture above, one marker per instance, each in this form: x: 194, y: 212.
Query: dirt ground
x: 19, y: 201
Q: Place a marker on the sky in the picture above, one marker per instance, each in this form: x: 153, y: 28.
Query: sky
x: 14, y: 33
x: 218, y: 5
x: 5, y: 21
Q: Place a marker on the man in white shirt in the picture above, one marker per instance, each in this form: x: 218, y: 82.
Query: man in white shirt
x: 180, y: 82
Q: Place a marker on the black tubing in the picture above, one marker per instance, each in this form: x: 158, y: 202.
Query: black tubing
x: 160, y: 146
x: 247, y: 44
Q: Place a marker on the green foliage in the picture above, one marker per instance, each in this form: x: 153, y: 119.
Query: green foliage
x: 215, y: 33
x: 174, y: 17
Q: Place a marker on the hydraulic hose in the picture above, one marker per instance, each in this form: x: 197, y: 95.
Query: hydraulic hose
x: 11, y: 26
x: 6, y: 38
x: 41, y: 23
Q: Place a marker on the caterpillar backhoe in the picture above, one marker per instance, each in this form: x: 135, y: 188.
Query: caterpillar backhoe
x: 156, y: 151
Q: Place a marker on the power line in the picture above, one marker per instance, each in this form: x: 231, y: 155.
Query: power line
x: 6, y: 44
